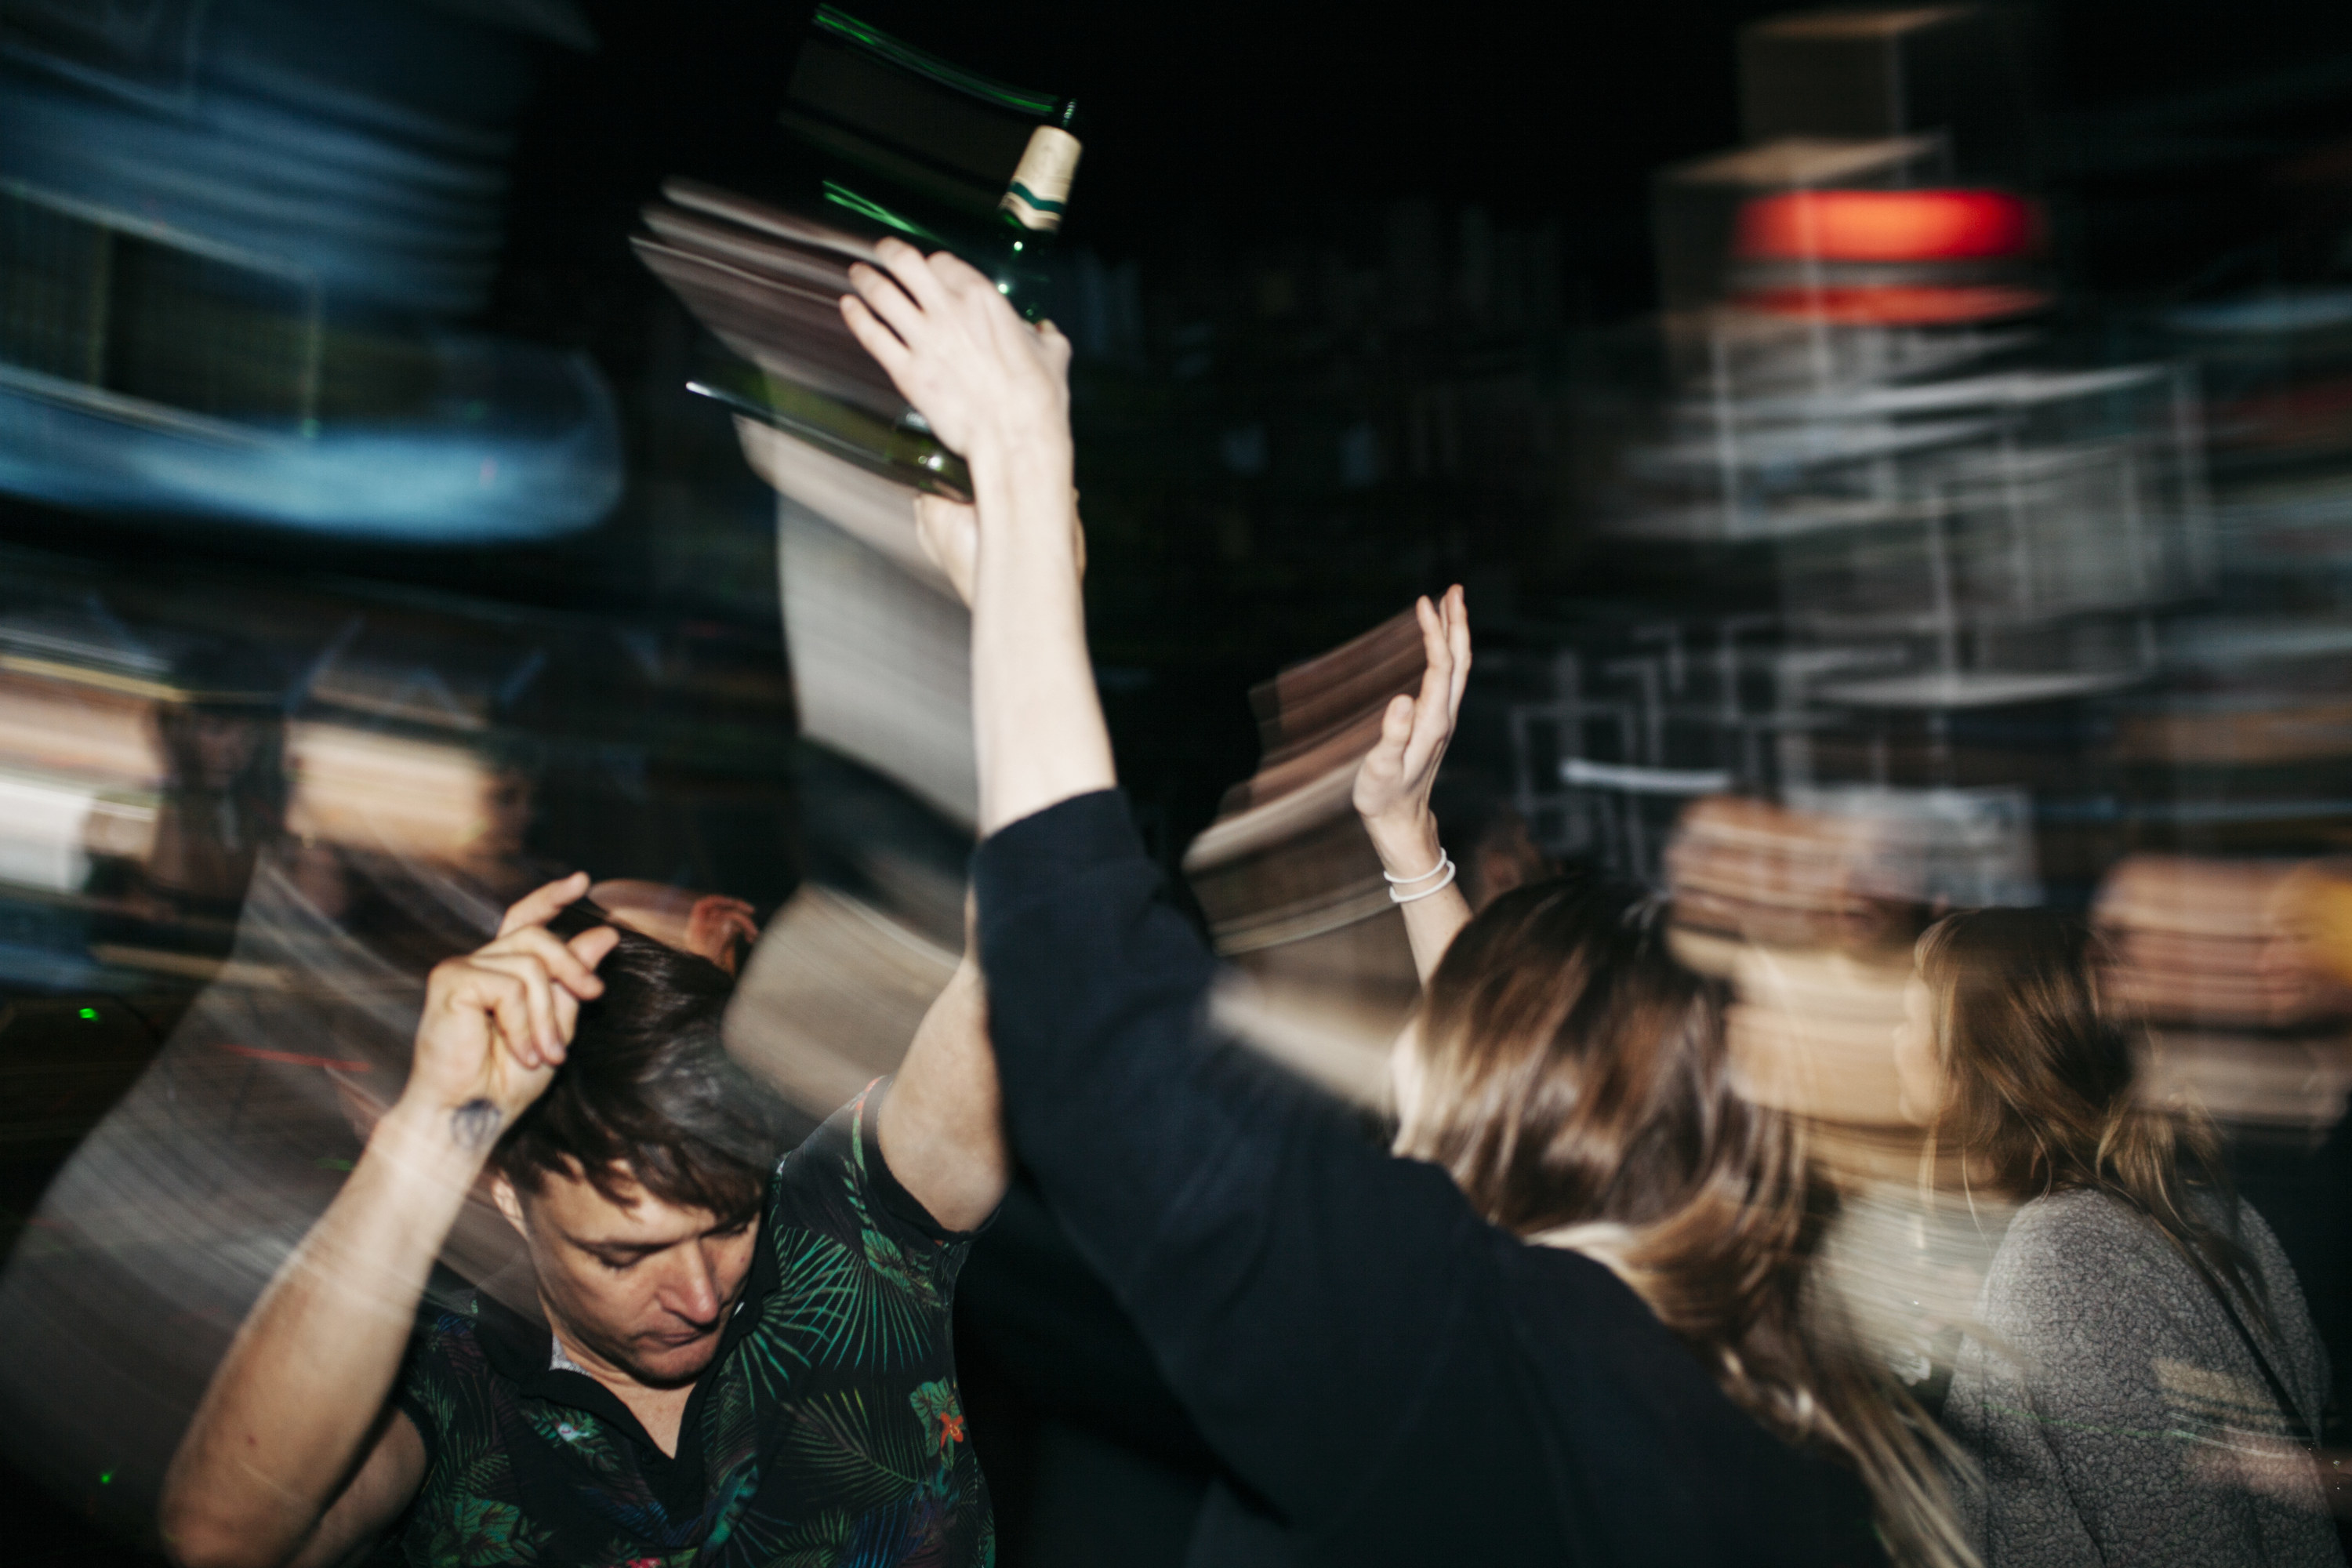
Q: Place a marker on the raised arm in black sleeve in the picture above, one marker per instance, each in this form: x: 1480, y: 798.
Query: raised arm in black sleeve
x: 1404, y: 1383
x: 1315, y: 1302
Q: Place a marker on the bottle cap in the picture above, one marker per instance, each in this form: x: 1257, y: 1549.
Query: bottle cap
x: 1040, y: 185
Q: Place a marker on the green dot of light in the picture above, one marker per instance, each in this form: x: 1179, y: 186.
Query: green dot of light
x: 91, y: 1014
x: 105, y: 1477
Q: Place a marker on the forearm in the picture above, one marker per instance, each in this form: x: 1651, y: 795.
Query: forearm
x: 942, y: 1126
x: 1408, y: 847
x: 305, y: 1382
x: 1037, y: 723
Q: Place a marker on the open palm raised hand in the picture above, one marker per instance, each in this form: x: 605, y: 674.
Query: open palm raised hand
x: 1393, y: 785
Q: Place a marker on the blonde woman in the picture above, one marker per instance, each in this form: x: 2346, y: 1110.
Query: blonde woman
x: 1370, y: 1339
x: 2147, y: 1373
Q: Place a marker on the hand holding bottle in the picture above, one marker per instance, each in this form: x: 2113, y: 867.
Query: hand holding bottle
x: 987, y: 383
x: 998, y: 389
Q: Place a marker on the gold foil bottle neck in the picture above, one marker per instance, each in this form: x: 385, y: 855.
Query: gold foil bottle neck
x: 1040, y: 185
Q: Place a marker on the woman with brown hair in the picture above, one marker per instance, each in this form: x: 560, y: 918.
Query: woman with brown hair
x: 2146, y: 1374
x: 1383, y: 1348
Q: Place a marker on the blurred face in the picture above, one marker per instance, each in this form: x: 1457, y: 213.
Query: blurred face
x: 644, y: 1288
x: 1918, y: 1063
x: 223, y: 744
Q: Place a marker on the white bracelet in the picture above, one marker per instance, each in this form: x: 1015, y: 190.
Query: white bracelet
x: 1443, y: 860
x: 1398, y: 896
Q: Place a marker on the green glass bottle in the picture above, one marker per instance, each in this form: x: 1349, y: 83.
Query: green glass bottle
x: 917, y: 145
x: 907, y: 144
x: 1030, y: 215
x: 904, y: 451
x: 1012, y: 246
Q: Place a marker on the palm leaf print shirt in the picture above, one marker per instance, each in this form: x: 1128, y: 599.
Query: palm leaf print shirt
x: 827, y: 1430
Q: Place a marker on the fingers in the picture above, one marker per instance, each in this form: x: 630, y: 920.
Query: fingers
x: 912, y: 292
x: 525, y: 1009
x: 512, y: 1022
x: 532, y: 984
x: 1458, y: 642
x: 592, y: 947
x: 542, y: 905
x: 890, y: 303
x: 955, y: 279
x: 1396, y: 727
x: 1437, y: 673
x: 876, y: 340
x: 924, y: 277
x: 1056, y: 346
x: 496, y: 998
x: 942, y: 285
x: 555, y: 957
x: 1434, y: 646
x: 1433, y: 711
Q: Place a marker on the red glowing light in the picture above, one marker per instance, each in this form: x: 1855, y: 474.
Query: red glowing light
x: 1888, y: 225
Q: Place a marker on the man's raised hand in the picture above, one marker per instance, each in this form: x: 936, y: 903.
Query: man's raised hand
x: 499, y: 1020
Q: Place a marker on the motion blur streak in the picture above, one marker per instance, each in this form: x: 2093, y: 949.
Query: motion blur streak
x: 253, y: 818
x: 236, y: 241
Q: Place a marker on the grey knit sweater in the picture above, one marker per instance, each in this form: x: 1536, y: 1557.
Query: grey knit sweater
x: 2116, y: 1415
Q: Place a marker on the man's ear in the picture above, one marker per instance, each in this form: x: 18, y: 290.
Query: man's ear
x: 509, y: 1202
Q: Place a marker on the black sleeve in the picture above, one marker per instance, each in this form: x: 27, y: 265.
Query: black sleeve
x: 1310, y: 1299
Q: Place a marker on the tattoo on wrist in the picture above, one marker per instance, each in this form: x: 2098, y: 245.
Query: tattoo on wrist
x: 475, y: 1125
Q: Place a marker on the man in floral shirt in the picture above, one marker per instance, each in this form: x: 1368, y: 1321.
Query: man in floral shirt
x: 741, y: 1361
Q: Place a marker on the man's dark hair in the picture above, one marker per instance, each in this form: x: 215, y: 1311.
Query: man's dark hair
x: 646, y: 1094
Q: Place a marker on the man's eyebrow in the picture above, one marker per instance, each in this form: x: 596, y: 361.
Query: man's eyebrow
x: 591, y: 1244
x: 718, y: 1227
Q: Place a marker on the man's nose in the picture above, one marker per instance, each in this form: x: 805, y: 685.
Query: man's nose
x: 691, y: 1290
